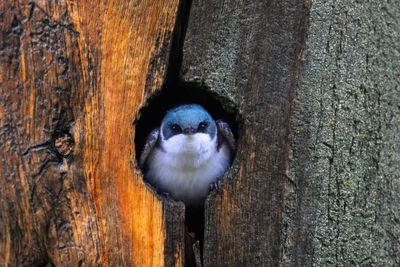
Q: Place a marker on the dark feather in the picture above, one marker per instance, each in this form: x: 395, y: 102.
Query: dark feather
x: 151, y: 142
x: 225, y: 135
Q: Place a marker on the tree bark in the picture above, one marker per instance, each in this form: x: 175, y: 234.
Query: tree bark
x: 249, y: 53
x: 315, y: 89
x: 316, y: 180
x: 345, y: 138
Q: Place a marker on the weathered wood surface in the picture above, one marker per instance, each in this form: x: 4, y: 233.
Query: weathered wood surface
x: 249, y: 53
x: 80, y: 70
x: 346, y: 141
x: 316, y: 181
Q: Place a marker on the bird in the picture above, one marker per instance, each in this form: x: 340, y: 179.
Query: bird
x: 188, y: 154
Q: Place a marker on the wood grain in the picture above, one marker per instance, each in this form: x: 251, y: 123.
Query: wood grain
x: 249, y: 53
x: 80, y: 71
x: 316, y: 180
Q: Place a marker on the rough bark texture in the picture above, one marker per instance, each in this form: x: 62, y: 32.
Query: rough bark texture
x: 336, y: 203
x: 73, y: 77
x: 248, y: 53
x: 346, y: 141
x: 316, y: 179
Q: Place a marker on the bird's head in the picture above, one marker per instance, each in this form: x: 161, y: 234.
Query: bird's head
x: 188, y: 120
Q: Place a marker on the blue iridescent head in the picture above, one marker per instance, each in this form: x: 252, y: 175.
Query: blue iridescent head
x: 188, y: 120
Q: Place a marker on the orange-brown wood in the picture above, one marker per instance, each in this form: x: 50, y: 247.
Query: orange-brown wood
x: 130, y: 33
x: 79, y: 70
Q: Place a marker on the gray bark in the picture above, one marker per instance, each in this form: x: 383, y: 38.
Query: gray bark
x: 337, y: 95
x: 346, y: 142
x: 248, y: 54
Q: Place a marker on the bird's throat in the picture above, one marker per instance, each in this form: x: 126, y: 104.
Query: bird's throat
x: 189, y: 151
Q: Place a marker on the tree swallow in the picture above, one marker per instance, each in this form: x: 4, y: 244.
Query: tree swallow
x: 187, y: 154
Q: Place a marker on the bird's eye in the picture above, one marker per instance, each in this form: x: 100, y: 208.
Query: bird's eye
x: 202, y: 126
x: 176, y: 128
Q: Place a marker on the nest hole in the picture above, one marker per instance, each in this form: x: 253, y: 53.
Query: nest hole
x: 151, y: 115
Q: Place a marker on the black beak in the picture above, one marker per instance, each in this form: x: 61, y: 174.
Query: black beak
x: 189, y: 131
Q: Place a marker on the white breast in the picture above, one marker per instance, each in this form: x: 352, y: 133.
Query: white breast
x: 187, y: 165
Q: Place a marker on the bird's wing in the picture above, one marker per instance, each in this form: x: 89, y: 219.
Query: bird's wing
x: 151, y: 141
x: 225, y: 135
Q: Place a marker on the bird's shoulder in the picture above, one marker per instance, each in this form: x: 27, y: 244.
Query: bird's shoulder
x: 225, y: 135
x: 151, y: 142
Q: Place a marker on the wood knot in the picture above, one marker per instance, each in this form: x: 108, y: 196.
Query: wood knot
x: 64, y: 145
